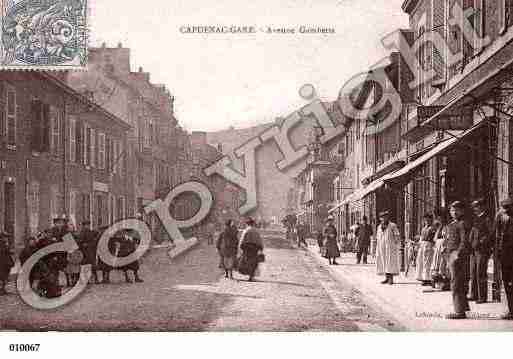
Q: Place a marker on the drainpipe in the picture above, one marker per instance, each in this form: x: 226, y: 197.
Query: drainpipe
x: 27, y: 211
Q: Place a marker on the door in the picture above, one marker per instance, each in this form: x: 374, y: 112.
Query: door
x: 9, y: 212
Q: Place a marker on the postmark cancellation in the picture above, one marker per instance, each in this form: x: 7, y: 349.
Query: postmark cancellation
x: 43, y: 34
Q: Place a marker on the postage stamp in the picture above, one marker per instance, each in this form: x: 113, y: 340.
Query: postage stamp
x: 43, y: 34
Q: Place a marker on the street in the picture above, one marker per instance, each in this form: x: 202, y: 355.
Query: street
x: 293, y: 293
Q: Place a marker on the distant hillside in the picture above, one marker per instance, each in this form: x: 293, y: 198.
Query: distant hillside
x: 233, y: 138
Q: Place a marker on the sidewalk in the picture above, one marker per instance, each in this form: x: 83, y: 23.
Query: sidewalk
x: 408, y: 304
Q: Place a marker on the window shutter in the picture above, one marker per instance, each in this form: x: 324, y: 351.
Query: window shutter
x: 107, y: 154
x: 46, y: 128
x: 93, y: 148
x: 79, y: 142
x: 439, y: 27
x: 36, y: 126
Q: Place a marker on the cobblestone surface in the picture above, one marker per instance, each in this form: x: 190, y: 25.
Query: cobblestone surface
x: 293, y: 293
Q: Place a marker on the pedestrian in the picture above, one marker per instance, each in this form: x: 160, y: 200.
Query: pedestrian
x: 329, y: 233
x: 27, y: 252
x: 88, y: 242
x: 439, y: 269
x: 320, y: 241
x: 128, y: 242
x: 252, y: 247
x: 57, y: 233
x: 388, y: 242
x: 458, y: 247
x: 113, y: 246
x: 424, y: 258
x: 6, y: 262
x: 481, y: 243
x: 50, y: 267
x: 363, y: 241
x: 504, y: 251
x: 73, y: 262
x: 227, y: 247
x: 211, y: 228
x: 301, y: 234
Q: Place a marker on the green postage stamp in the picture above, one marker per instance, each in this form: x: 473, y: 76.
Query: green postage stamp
x: 43, y: 34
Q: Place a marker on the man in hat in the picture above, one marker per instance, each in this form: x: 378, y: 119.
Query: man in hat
x: 458, y: 247
x: 88, y: 242
x: 329, y: 233
x: 301, y: 234
x: 504, y: 251
x: 481, y: 242
x: 388, y: 242
x: 6, y: 262
x: 363, y: 240
x: 57, y: 233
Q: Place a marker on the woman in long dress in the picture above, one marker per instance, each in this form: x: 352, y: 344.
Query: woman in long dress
x: 426, y: 249
x: 251, y: 245
x: 439, y: 268
x: 332, y: 252
x: 227, y: 246
x: 388, y: 242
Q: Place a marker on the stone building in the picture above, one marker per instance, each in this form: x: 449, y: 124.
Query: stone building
x: 59, y: 154
x: 158, y: 149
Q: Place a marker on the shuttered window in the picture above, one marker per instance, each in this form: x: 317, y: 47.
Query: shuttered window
x: 438, y: 55
x: 79, y: 135
x: 94, y: 147
x: 87, y: 151
x: 101, y: 150
x: 11, y: 107
x: 56, y: 123
x: 108, y: 154
x: 72, y: 139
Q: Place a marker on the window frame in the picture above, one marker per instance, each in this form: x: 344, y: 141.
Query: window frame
x: 11, y: 141
x: 72, y: 131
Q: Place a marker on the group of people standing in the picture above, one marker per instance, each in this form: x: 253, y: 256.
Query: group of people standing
x: 251, y: 247
x: 44, y: 275
x: 454, y: 255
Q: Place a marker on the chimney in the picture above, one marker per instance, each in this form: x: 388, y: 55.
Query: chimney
x: 120, y: 45
x: 220, y: 147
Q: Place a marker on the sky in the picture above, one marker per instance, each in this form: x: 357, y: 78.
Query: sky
x: 240, y: 80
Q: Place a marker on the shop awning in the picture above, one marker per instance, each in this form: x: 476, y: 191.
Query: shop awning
x: 439, y: 148
x: 371, y: 187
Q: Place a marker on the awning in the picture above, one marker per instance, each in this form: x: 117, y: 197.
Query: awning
x: 371, y: 187
x: 346, y: 200
x: 442, y: 146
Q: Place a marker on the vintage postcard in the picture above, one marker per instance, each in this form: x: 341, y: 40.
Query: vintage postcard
x: 296, y: 166
x: 43, y: 34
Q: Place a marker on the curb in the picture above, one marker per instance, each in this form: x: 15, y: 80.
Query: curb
x: 369, y: 296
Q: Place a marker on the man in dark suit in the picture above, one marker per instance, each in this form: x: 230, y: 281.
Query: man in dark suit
x: 458, y: 247
x: 504, y: 251
x: 363, y: 238
x: 481, y: 242
x: 88, y: 242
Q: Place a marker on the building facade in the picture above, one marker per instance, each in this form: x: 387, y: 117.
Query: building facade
x: 158, y: 150
x: 59, y: 156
